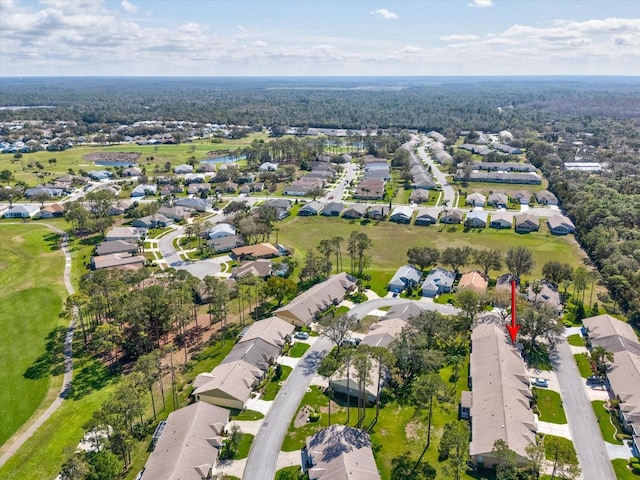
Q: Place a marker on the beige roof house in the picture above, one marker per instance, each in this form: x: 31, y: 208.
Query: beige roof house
x: 188, y: 446
x: 256, y: 352
x: 260, y: 250
x: 527, y: 222
x: 228, y: 385
x: 501, y: 395
x: 303, y: 309
x: 384, y: 332
x: 347, y: 383
x: 117, y: 260
x: 340, y: 453
x: 273, y: 330
x: 611, y: 333
x: 474, y: 280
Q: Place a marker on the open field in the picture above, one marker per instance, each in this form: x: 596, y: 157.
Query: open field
x: 31, y: 294
x: 72, y: 158
x: 391, y: 241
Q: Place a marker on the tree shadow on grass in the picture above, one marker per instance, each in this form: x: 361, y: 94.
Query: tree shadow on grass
x: 53, y: 241
x: 90, y: 374
x: 51, y: 362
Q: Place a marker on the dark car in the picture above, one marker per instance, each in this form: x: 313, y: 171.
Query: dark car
x: 595, y: 380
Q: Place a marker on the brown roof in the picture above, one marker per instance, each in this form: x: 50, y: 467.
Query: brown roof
x: 189, y: 444
x: 382, y: 333
x: 341, y: 453
x: 273, y: 330
x: 259, y: 268
x: 233, y: 380
x: 117, y: 260
x: 501, y: 395
x: 475, y: 279
x: 611, y: 333
x: 54, y: 208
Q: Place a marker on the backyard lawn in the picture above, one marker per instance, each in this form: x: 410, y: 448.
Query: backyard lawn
x: 31, y: 295
x: 302, y: 233
x: 550, y: 406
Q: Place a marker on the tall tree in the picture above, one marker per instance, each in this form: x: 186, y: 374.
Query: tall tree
x: 358, y: 245
x: 454, y: 446
x: 328, y: 366
x: 337, y: 248
x: 422, y: 257
x: 337, y: 329
x: 280, y: 288
x: 456, y: 257
x: 601, y: 358
x: 539, y: 320
x: 506, y: 461
x: 425, y: 389
x: 519, y: 261
x: 556, y: 272
x: 488, y: 259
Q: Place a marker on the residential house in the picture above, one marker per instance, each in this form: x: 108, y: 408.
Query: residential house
x: 377, y: 212
x: 438, y: 281
x: 282, y: 206
x: 228, y: 385
x: 117, y: 260
x: 303, y: 309
x: 403, y: 310
x: 504, y: 166
x: 370, y: 189
x: 259, y: 268
x: 500, y: 397
x: 623, y: 374
x: 100, y: 175
x: 54, y: 210
x: 298, y: 189
x: 427, y: 216
x: 143, y: 190
x: 560, y: 225
x: 273, y: 330
x: 225, y: 244
x: 128, y: 234
x: 528, y: 178
x: 474, y: 280
x: 50, y: 192
x: 344, y: 382
x: 504, y: 282
x: 183, y: 169
x: 260, y: 250
x: 419, y: 196
x: 451, y: 216
x: 198, y: 188
x: 423, y: 181
x: 501, y: 220
x: 476, y: 199
x: 256, y: 352
x: 153, y: 221
x: 476, y: 219
x: 498, y: 200
x: 339, y: 452
x: 548, y: 294
x: 198, y: 204
x: 310, y: 209
x: 176, y: 213
x: 527, y: 222
x: 384, y: 332
x: 545, y: 197
x: 355, y: 211
x: 522, y: 197
x: 116, y: 246
x: 132, y: 172
x: 332, y: 209
x: 405, y: 277
x: 189, y: 444
x: 22, y: 211
x: 221, y: 230
x: 402, y: 214
x: 268, y: 167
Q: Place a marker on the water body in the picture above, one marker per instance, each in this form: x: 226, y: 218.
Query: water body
x: 107, y: 163
x: 223, y: 159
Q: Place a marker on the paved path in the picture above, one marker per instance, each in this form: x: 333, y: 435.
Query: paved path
x: 448, y: 191
x: 68, y: 355
x: 587, y: 439
x: 265, y: 450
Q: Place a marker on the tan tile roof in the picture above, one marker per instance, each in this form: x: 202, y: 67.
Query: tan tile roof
x: 476, y: 280
x: 273, y: 330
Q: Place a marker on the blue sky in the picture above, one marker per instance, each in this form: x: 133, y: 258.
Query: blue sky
x: 305, y: 37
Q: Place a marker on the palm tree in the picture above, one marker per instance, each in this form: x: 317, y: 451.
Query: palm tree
x: 601, y: 356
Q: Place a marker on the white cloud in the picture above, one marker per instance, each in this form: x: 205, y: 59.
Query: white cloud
x: 384, y: 14
x: 128, y: 6
x: 459, y: 38
x: 480, y: 3
x: 260, y: 43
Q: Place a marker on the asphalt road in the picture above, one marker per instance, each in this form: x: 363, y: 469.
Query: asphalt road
x: 263, y: 456
x: 447, y: 190
x: 583, y: 425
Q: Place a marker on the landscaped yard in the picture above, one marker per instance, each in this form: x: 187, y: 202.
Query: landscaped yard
x: 621, y: 468
x: 248, y: 415
x: 244, y: 446
x: 272, y: 387
x: 584, y: 365
x: 550, y: 406
x: 604, y: 421
x: 303, y: 233
x: 548, y: 454
x: 289, y: 473
x: 298, y: 349
x: 575, y: 340
x: 31, y: 295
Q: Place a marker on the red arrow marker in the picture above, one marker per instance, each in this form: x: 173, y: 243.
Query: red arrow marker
x: 513, y: 328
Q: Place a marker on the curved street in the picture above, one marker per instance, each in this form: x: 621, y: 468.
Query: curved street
x: 68, y: 355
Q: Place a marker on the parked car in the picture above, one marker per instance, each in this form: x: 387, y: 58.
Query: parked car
x: 595, y: 380
x: 540, y: 382
x: 301, y: 335
x: 350, y: 342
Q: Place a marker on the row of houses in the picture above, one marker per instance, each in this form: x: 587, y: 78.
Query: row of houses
x: 528, y: 178
x: 501, y: 200
x: 321, y: 174
x: 623, y: 376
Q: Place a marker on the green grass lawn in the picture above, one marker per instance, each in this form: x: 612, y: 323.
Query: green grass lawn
x: 621, y: 468
x: 575, y: 340
x: 289, y: 473
x: 298, y: 349
x: 604, y: 421
x: 248, y: 415
x: 272, y: 387
x: 550, y: 406
x: 386, y: 255
x: 244, y: 447
x: 31, y: 295
x: 584, y: 365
